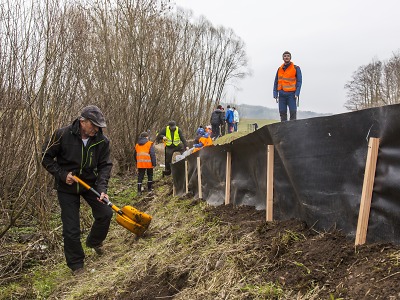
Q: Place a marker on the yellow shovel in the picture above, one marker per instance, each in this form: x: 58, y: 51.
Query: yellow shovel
x: 128, y: 217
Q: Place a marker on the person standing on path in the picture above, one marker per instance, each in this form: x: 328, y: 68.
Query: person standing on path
x: 287, y: 87
x: 174, y: 142
x: 80, y: 149
x: 229, y: 117
x: 235, y: 119
x: 216, y: 120
x: 145, y: 157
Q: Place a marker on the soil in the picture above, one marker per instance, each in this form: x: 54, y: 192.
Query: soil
x: 300, y: 259
x: 328, y: 259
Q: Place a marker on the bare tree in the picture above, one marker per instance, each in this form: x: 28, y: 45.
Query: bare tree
x: 375, y: 84
x: 391, y: 80
x: 140, y: 62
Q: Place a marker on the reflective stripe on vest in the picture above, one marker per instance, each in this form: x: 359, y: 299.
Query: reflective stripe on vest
x: 143, y: 159
x: 287, y: 78
x: 177, y: 138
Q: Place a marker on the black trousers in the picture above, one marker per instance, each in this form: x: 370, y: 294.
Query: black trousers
x: 169, y: 152
x: 102, y: 214
x: 141, y: 173
x: 215, y: 131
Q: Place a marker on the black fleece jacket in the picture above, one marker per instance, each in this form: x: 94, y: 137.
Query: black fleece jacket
x: 65, y: 152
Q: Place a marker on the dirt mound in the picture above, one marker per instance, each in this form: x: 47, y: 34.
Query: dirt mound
x: 301, y: 258
x: 307, y: 263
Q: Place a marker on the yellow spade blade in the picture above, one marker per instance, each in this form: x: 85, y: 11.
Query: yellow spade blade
x: 130, y: 225
x: 137, y: 216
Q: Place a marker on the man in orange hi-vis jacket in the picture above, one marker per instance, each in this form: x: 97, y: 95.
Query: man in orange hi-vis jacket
x: 145, y: 157
x: 287, y: 87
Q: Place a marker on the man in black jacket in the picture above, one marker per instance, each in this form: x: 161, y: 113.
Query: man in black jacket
x: 217, y: 119
x: 80, y: 149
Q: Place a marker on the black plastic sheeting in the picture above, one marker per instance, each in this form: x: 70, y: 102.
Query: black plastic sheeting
x: 319, y: 169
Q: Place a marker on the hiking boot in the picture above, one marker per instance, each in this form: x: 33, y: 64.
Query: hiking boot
x: 166, y: 173
x: 78, y: 271
x: 98, y: 249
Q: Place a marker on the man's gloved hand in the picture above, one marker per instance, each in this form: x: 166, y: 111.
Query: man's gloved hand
x: 277, y: 99
x: 164, y: 138
x: 297, y: 100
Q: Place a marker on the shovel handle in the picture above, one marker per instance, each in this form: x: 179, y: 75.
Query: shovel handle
x: 86, y: 186
x: 105, y: 200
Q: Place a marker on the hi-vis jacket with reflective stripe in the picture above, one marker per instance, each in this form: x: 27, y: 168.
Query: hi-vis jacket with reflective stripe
x: 143, y: 159
x: 287, y: 78
x: 177, y: 139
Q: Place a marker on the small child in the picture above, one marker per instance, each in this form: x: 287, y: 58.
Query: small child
x: 204, y: 141
x: 145, y: 157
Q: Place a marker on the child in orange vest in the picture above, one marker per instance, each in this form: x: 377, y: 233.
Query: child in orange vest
x: 203, y: 141
x: 145, y: 157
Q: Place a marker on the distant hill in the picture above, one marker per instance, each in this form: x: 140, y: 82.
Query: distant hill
x: 262, y: 112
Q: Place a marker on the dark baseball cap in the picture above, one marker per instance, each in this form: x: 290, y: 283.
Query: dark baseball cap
x: 94, y: 114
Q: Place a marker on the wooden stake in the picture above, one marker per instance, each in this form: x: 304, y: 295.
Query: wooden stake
x: 187, y: 176
x: 228, y: 178
x: 270, y: 183
x: 366, y: 196
x: 199, y: 177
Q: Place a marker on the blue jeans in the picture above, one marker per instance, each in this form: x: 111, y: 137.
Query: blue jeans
x: 285, y: 100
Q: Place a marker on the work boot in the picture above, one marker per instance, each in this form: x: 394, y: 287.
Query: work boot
x: 78, y: 271
x: 98, y: 249
x: 149, y: 186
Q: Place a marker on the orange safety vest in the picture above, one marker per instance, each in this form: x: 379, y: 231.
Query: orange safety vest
x: 206, y: 141
x: 287, y: 79
x: 143, y: 159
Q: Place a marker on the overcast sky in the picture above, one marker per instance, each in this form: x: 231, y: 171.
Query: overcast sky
x: 329, y: 40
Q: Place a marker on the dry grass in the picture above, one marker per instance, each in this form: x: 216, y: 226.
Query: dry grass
x: 184, y: 244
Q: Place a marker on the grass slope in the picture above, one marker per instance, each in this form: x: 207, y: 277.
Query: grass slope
x: 196, y: 251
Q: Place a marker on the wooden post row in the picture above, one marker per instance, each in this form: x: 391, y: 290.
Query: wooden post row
x: 270, y: 183
x: 366, y: 196
x: 199, y: 177
x: 187, y: 176
x: 228, y: 178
